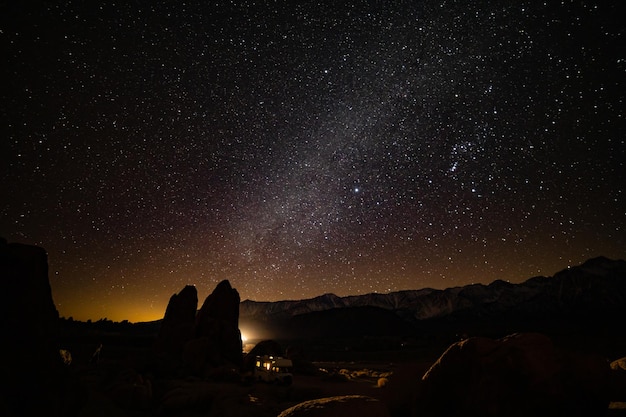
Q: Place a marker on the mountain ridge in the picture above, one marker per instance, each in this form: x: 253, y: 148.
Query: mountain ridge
x: 598, y: 285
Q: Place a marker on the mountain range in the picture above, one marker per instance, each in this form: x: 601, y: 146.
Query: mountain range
x: 596, y: 288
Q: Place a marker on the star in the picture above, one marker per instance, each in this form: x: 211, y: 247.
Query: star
x: 356, y: 149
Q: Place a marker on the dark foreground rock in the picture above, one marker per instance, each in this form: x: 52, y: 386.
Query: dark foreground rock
x: 178, y: 323
x: 218, y: 322
x: 618, y: 380
x: 519, y: 375
x: 33, y: 376
x: 341, y: 406
x: 205, y: 343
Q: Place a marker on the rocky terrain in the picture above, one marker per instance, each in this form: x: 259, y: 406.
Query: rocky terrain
x: 33, y: 375
x: 548, y: 346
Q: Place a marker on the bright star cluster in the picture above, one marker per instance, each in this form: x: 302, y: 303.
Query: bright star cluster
x: 301, y: 148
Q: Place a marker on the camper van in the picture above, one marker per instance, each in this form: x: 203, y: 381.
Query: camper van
x: 273, y: 369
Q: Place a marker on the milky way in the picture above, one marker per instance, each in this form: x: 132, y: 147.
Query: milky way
x: 303, y: 149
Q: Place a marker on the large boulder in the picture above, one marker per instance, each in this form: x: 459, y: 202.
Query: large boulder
x: 618, y: 380
x: 177, y: 327
x: 200, y: 355
x: 201, y: 342
x: 222, y: 305
x: 130, y: 390
x: 519, y: 375
x: 301, y: 361
x: 341, y: 406
x: 216, y: 328
x: 619, y: 364
x: 27, y: 311
x: 33, y: 376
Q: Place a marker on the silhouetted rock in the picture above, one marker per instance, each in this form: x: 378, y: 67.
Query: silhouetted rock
x: 619, y: 364
x: 221, y: 305
x: 204, y: 343
x: 301, y: 362
x: 33, y: 376
x: 341, y: 406
x: 618, y: 380
x: 26, y: 305
x: 218, y: 320
x: 402, y: 389
x: 519, y: 375
x: 199, y: 355
x: 177, y: 327
x: 130, y: 390
x: 217, y: 340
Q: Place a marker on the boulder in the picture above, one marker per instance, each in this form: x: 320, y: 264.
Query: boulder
x: 519, y: 375
x: 199, y: 355
x: 177, y: 327
x: 27, y: 311
x: 203, y: 342
x: 301, y: 362
x: 341, y: 406
x: 218, y: 321
x: 34, y: 378
x: 402, y: 388
x: 619, y: 364
x: 618, y: 380
x: 130, y: 390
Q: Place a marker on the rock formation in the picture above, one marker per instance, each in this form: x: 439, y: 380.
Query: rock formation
x: 178, y: 323
x: 130, y: 390
x: 26, y: 304
x: 204, y: 341
x: 32, y: 373
x: 519, y: 375
x: 348, y: 405
x: 618, y: 380
x: 301, y: 361
x: 218, y: 321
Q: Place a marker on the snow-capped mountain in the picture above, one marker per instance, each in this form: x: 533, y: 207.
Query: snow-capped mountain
x: 596, y: 286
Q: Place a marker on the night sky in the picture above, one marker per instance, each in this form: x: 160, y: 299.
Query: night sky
x: 301, y: 149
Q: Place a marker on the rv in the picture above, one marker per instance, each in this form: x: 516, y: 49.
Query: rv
x: 273, y: 369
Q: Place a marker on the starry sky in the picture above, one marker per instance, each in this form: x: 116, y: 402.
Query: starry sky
x: 302, y: 148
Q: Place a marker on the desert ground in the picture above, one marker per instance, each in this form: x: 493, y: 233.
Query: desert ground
x: 560, y: 350
x: 117, y: 384
x: 123, y: 382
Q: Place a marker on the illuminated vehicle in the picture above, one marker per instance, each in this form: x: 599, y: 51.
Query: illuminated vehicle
x: 273, y: 369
